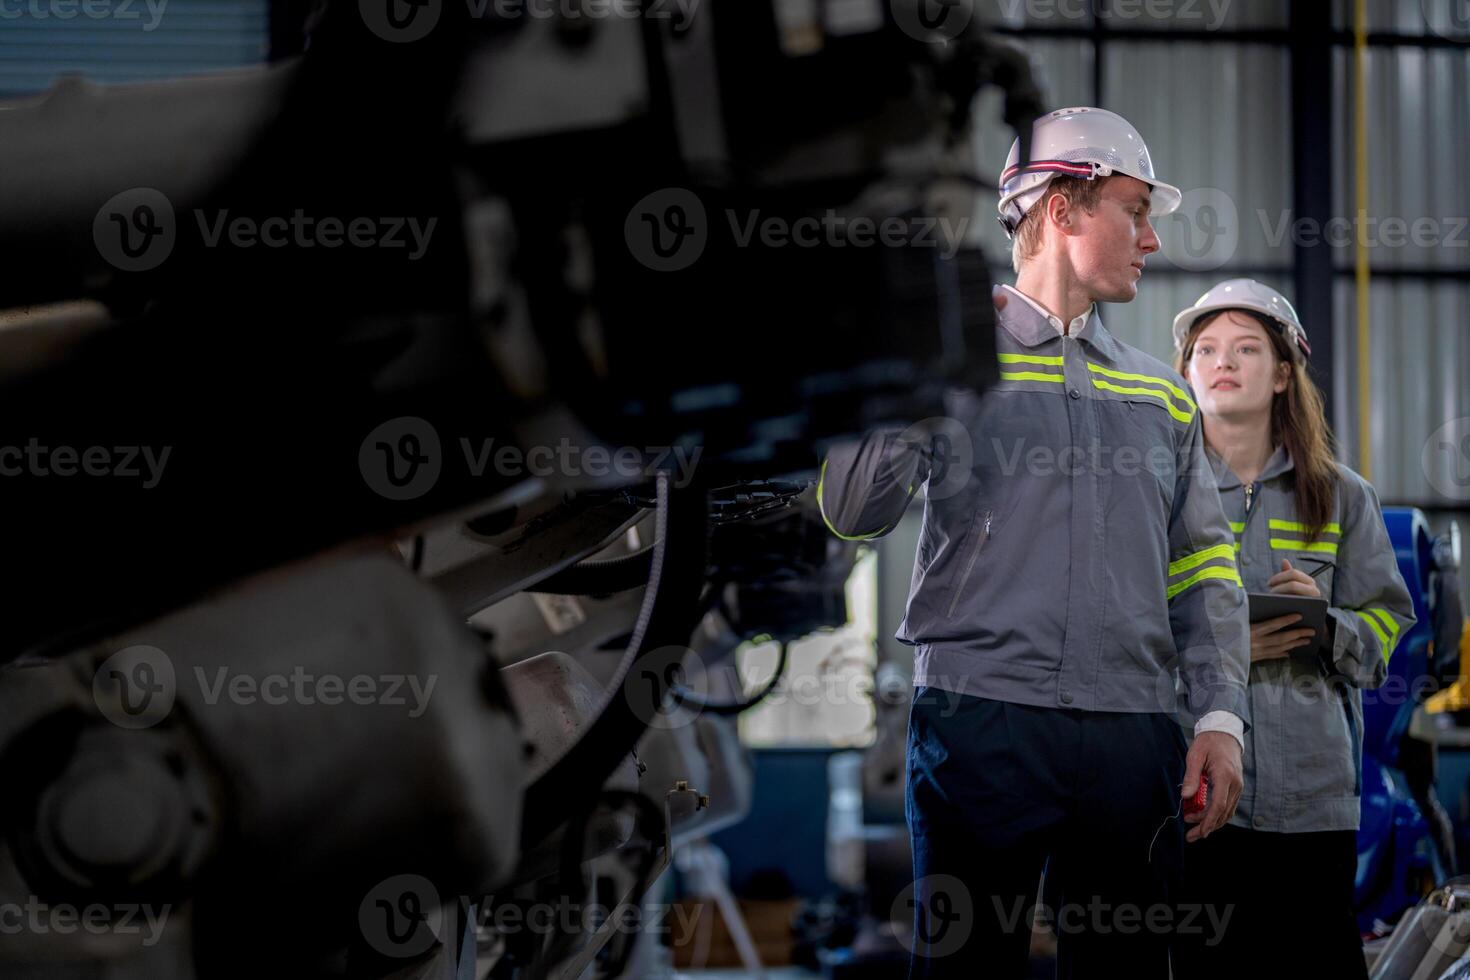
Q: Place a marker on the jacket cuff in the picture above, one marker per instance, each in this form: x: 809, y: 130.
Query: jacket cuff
x: 1222, y: 721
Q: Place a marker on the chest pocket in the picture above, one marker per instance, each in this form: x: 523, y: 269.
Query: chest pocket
x: 1141, y: 435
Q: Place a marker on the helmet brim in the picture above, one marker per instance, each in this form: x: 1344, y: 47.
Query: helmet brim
x: 1164, y: 199
x: 1187, y: 318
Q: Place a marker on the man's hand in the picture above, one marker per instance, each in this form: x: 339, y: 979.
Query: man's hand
x: 1271, y: 640
x: 1216, y: 754
x: 1294, y: 581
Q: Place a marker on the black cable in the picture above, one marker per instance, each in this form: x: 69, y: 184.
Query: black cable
x: 601, y: 577
x: 638, y: 687
x: 693, y: 699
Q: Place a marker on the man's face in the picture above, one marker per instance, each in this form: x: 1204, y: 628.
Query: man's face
x: 1110, y: 244
x: 1233, y: 368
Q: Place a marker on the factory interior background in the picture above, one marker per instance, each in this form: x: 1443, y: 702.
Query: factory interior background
x: 1320, y: 149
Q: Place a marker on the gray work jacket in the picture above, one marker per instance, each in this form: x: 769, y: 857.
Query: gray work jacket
x: 1073, y: 553
x: 1304, y: 744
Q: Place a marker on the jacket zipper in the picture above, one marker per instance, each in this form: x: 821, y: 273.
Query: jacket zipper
x: 1250, y: 490
x: 970, y: 565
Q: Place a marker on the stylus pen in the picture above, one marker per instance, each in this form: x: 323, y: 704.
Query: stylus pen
x: 1321, y: 563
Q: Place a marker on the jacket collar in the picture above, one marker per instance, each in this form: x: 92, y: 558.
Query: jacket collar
x: 1225, y: 478
x: 1032, y: 328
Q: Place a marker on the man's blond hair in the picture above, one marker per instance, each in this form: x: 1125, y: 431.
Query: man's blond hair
x: 1076, y: 191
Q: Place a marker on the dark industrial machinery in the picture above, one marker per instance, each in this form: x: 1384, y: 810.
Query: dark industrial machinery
x: 401, y: 439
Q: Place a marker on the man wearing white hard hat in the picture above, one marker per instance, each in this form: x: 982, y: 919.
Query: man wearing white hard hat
x: 1077, y: 570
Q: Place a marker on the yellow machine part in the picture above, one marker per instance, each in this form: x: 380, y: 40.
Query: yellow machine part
x: 1456, y: 697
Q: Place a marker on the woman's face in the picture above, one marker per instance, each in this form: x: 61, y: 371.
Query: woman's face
x: 1234, y: 369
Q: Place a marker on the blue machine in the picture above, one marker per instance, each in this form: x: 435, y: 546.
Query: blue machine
x: 1397, y: 857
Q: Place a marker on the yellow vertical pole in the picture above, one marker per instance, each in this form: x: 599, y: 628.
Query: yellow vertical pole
x: 1360, y: 133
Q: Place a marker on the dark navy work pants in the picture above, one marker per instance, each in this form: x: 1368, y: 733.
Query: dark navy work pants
x: 997, y: 791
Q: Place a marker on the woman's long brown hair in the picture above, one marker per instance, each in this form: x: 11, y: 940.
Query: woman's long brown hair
x: 1297, y: 421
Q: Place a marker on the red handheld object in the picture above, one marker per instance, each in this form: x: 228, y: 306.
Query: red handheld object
x: 1196, y: 803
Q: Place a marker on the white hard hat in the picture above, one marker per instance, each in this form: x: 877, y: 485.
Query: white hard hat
x: 1078, y: 142
x: 1246, y: 294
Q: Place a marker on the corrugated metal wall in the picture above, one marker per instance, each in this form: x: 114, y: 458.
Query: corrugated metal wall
x: 1220, y: 130
x: 126, y: 40
x: 1418, y: 219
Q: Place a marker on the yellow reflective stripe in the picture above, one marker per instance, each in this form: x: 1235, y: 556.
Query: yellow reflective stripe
x: 1237, y: 547
x: 1382, y: 636
x: 1386, y: 619
x: 1027, y: 359
x: 1214, y: 571
x: 1199, y: 558
x: 1302, y: 528
x: 1291, y: 544
x: 1031, y: 376
x: 1391, y: 626
x: 1238, y: 527
x: 1162, y: 382
x: 1163, y: 398
x: 821, y: 481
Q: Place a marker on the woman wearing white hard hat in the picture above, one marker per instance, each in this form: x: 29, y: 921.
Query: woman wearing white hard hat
x: 1304, y: 525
